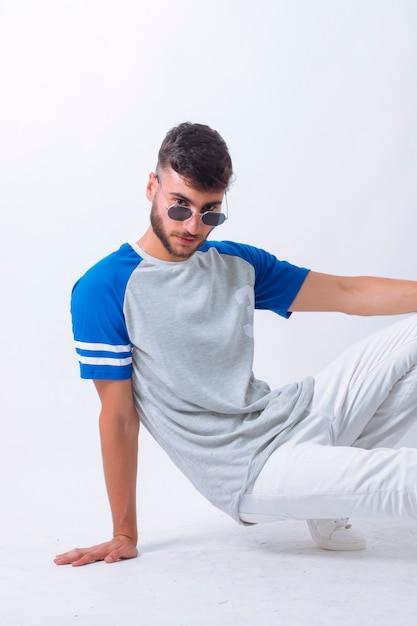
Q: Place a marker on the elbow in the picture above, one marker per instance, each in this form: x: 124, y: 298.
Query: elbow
x: 121, y: 421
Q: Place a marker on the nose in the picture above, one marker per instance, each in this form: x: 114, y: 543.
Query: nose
x: 193, y: 224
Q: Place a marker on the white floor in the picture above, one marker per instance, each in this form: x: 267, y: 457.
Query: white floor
x: 216, y: 573
x: 197, y: 567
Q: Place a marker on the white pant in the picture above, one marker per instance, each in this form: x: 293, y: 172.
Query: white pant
x: 339, y: 461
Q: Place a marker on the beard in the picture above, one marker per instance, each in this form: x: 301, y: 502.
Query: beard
x: 164, y: 238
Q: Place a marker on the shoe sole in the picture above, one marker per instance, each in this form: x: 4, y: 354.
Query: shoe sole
x: 339, y: 547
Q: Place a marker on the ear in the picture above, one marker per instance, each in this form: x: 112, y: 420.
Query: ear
x: 151, y: 187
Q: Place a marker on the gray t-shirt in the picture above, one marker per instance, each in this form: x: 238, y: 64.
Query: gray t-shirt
x: 183, y: 331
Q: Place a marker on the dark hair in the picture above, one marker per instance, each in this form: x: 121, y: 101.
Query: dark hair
x: 199, y: 154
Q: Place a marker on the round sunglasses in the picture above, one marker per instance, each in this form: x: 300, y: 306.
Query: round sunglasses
x: 180, y: 213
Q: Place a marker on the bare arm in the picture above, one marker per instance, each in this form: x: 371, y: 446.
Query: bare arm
x: 356, y: 295
x: 119, y: 429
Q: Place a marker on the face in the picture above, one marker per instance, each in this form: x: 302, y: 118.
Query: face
x: 175, y: 240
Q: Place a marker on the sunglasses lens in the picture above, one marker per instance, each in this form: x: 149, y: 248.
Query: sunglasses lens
x: 213, y: 219
x: 179, y: 213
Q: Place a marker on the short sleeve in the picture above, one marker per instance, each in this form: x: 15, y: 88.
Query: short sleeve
x: 276, y: 282
x: 100, y: 334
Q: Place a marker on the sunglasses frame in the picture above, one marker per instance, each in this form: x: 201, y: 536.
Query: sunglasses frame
x: 222, y: 217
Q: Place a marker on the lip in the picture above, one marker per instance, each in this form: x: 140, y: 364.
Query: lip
x: 185, y: 241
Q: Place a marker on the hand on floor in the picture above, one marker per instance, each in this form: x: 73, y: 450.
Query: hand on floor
x: 120, y: 547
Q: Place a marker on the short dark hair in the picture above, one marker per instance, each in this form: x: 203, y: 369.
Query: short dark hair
x: 199, y: 154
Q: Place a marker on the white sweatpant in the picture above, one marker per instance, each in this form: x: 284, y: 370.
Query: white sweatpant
x: 339, y: 461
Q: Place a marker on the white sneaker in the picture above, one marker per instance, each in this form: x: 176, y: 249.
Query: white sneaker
x: 335, y: 534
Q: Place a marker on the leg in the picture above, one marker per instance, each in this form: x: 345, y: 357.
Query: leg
x: 366, y: 398
x: 369, y: 394
x: 314, y: 480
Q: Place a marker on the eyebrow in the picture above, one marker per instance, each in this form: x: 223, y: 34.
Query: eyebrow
x: 181, y: 196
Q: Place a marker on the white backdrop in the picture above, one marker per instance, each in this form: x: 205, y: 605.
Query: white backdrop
x: 316, y: 100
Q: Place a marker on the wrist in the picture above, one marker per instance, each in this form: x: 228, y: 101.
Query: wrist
x: 132, y: 538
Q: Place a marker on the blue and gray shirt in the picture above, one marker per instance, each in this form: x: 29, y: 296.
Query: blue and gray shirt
x: 183, y: 332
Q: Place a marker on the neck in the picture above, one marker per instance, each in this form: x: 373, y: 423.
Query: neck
x: 150, y: 244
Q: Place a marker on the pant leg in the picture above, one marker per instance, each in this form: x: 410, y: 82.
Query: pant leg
x: 312, y: 481
x: 369, y: 394
x: 366, y: 398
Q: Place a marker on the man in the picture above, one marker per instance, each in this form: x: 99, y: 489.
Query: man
x: 164, y: 328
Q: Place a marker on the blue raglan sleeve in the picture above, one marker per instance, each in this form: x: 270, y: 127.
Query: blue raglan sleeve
x: 276, y: 282
x: 101, y: 337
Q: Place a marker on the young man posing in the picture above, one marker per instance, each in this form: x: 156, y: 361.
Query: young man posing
x: 164, y: 328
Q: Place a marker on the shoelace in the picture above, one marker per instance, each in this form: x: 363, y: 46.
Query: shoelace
x: 342, y: 521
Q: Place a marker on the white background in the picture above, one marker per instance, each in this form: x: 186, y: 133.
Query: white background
x: 316, y: 100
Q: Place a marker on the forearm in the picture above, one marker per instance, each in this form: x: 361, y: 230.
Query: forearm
x: 119, y: 429
x: 380, y: 296
x: 119, y: 444
x: 356, y: 295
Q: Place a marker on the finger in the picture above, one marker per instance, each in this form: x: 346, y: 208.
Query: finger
x: 102, y: 553
x: 86, y: 559
x: 68, y: 557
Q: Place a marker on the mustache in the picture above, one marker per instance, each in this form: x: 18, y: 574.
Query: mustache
x: 188, y: 236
